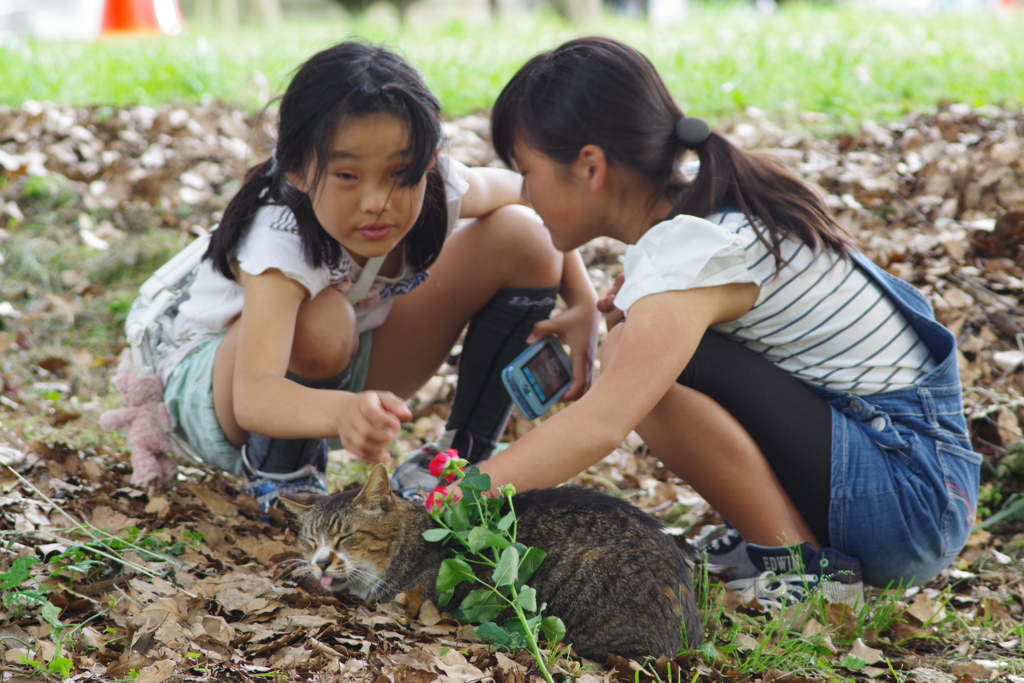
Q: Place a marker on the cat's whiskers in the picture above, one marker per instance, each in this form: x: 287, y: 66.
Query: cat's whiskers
x: 362, y: 582
x: 294, y: 567
x: 291, y: 561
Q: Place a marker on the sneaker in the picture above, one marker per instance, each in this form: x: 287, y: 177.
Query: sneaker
x: 725, y: 551
x: 790, y: 574
x: 266, y: 487
x: 412, y: 478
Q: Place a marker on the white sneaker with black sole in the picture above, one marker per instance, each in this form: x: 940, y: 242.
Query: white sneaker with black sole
x: 791, y: 574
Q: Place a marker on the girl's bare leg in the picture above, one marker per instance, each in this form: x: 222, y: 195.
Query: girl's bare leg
x: 507, y: 248
x: 703, y: 444
x: 324, y: 343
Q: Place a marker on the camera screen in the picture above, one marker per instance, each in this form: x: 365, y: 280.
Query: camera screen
x: 548, y: 374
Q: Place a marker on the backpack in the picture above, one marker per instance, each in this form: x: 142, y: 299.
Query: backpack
x: 150, y: 320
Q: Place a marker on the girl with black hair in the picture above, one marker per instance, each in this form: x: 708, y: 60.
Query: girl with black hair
x: 809, y: 396
x: 313, y: 310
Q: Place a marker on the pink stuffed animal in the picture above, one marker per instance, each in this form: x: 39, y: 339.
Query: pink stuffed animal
x: 148, y: 422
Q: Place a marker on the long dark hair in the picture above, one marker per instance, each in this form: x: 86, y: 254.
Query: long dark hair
x: 602, y: 92
x: 345, y: 81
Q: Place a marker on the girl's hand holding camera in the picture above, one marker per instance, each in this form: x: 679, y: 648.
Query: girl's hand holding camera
x: 577, y: 327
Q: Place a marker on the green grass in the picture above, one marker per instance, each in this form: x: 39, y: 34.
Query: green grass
x: 843, y: 63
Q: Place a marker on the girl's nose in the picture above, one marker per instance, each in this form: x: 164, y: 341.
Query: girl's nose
x: 375, y: 200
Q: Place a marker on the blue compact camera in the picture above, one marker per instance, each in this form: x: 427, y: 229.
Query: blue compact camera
x: 538, y: 377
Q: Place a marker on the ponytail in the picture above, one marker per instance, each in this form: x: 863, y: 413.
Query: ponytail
x: 238, y: 216
x: 600, y: 91
x: 775, y: 202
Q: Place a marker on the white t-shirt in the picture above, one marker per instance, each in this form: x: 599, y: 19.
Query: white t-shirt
x: 821, y: 318
x: 273, y: 242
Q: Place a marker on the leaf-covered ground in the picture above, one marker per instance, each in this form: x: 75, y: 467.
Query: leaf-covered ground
x: 101, y: 580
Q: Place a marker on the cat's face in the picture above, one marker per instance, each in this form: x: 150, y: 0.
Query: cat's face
x: 346, y: 539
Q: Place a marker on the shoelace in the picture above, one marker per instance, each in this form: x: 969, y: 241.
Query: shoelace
x: 774, y: 590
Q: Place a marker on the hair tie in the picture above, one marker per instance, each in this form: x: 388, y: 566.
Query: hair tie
x: 272, y: 169
x: 693, y: 131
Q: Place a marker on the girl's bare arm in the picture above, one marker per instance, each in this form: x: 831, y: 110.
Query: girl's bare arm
x: 657, y: 341
x: 267, y: 403
x: 490, y: 189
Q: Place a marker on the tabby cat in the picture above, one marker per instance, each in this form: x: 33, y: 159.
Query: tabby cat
x: 617, y: 581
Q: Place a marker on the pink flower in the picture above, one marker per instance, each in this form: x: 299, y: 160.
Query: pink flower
x: 442, y: 464
x: 438, y: 464
x: 435, y: 501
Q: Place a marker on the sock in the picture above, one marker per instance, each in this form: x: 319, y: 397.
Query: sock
x: 496, y: 335
x: 284, y: 456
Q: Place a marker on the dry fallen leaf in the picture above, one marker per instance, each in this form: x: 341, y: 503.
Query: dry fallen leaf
x: 157, y: 673
x: 868, y: 654
x: 926, y: 610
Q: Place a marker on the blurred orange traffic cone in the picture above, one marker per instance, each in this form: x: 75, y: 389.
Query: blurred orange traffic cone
x: 122, y: 17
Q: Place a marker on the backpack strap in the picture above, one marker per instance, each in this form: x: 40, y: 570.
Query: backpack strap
x: 365, y: 281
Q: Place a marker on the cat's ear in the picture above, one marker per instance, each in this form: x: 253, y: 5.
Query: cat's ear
x: 376, y: 492
x: 299, y: 503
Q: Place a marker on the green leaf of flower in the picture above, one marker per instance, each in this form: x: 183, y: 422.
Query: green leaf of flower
x: 505, y: 523
x: 454, y: 570
x: 478, y: 538
x: 496, y: 541
x: 529, y: 564
x: 444, y: 597
x: 434, y: 535
x: 514, y: 628
x: 554, y: 630
x: 482, y: 605
x: 493, y: 633
x: 475, y: 481
x: 507, y: 571
x: 459, y: 519
x: 527, y: 599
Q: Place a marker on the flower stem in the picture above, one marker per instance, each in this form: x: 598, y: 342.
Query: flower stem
x: 530, y: 638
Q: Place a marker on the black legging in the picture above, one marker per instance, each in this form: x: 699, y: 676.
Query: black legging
x: 789, y: 422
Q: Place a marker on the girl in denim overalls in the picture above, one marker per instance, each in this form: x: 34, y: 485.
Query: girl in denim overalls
x: 809, y: 396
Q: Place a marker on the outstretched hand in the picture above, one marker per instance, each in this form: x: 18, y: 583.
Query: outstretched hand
x: 371, y: 423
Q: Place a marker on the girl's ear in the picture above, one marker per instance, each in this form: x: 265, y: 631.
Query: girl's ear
x: 591, y: 167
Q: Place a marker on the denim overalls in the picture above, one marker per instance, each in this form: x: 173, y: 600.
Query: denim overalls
x: 904, y: 477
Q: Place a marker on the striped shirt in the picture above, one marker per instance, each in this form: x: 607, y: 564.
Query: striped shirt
x: 820, y: 318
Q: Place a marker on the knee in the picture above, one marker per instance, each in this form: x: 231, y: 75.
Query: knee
x: 516, y: 235
x: 325, y: 336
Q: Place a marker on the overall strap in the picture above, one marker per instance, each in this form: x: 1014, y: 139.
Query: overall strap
x: 365, y: 281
